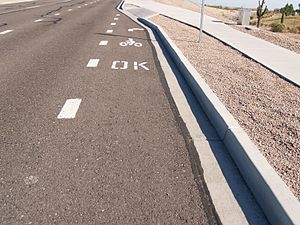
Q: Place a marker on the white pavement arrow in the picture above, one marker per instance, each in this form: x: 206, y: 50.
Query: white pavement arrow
x: 142, y: 65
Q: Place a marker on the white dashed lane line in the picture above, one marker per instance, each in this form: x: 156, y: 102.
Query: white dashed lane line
x: 38, y: 20
x: 79, y: 7
x: 116, y: 18
x: 133, y: 29
x: 69, y: 109
x: 71, y: 106
x: 103, y: 42
x: 6, y: 31
x: 118, y: 14
x: 93, y: 63
x: 69, y: 10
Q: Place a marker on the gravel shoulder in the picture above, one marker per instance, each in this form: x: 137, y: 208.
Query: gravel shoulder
x: 266, y: 106
x: 288, y: 41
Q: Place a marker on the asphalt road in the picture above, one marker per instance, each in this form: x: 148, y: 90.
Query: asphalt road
x: 89, y: 133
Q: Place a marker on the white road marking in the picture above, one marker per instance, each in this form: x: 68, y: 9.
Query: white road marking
x: 33, y: 7
x: 113, y: 24
x: 103, y: 42
x: 118, y: 14
x: 70, y: 10
x: 85, y: 4
x: 130, y: 42
x: 109, y: 31
x: 38, y: 20
x: 13, y: 2
x: 69, y: 109
x: 6, y: 31
x: 116, y: 18
x: 57, y: 14
x: 115, y: 67
x: 93, y: 63
x: 142, y: 65
x: 79, y: 7
x: 133, y: 29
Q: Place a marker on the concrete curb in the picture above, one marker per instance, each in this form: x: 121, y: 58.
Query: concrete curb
x: 278, y: 203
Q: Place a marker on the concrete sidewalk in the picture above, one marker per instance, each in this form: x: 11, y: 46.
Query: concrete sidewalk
x: 280, y: 60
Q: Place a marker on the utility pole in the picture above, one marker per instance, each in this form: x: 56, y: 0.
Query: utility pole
x: 201, y: 21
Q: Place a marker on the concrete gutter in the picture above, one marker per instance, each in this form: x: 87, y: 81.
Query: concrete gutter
x: 276, y: 200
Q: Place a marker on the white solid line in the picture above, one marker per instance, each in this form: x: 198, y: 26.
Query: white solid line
x: 116, y: 18
x: 38, y: 20
x: 93, y: 63
x: 69, y: 109
x: 113, y: 24
x: 103, y: 42
x: 57, y: 14
x: 109, y: 31
x: 6, y: 31
x: 70, y: 10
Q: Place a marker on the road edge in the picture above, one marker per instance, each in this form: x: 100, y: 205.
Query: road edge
x: 225, y: 204
x: 209, y: 208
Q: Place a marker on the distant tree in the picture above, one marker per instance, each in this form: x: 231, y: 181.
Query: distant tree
x: 291, y: 10
x: 276, y: 10
x: 260, y: 11
x: 287, y: 10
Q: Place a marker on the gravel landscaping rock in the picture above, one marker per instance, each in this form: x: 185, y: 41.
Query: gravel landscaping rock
x: 276, y: 38
x: 266, y: 106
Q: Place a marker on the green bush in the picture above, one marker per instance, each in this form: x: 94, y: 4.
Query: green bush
x: 277, y: 27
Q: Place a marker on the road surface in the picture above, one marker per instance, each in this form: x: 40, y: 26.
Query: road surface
x: 88, y: 130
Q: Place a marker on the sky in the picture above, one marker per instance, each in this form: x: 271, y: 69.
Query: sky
x: 251, y: 3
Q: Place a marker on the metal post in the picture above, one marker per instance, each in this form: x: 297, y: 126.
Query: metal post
x: 201, y: 20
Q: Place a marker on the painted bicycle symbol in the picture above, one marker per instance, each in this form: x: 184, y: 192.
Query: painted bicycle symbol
x: 131, y: 42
